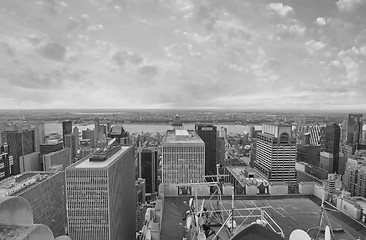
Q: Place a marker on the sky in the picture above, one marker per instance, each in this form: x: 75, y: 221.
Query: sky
x: 224, y: 54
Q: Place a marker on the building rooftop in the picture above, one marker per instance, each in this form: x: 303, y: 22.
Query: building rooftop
x: 20, y: 183
x: 289, y: 212
x: 86, y: 163
x: 238, y: 173
x: 117, y: 129
x: 182, y: 136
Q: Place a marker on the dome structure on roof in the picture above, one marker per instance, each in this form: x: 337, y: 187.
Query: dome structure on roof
x: 177, y: 123
x: 256, y: 232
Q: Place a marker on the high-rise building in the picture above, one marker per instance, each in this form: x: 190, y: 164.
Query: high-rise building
x: 354, y: 179
x: 119, y: 133
x: 149, y: 169
x: 354, y: 130
x: 45, y: 192
x: 308, y: 153
x: 220, y: 151
x: 39, y: 135
x: 97, y: 129
x: 177, y: 123
x: 20, y: 143
x: 276, y: 153
x: 71, y: 141
x: 89, y: 134
x: 332, y: 143
x: 183, y: 157
x: 100, y: 195
x: 6, y: 162
x: 66, y: 129
x: 49, y: 148
x: 60, y: 158
x: 208, y: 133
x: 317, y: 135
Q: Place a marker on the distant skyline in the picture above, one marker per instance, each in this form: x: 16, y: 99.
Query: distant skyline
x: 172, y: 54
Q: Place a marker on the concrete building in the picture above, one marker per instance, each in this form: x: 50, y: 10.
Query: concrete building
x: 30, y: 162
x: 309, y: 154
x: 89, y: 134
x: 276, y: 153
x: 6, y: 162
x: 100, y: 195
x: 16, y: 222
x: 208, y: 133
x: 354, y: 179
x: 49, y: 148
x: 39, y: 135
x: 20, y: 143
x: 54, y: 159
x: 317, y: 135
x: 149, y: 169
x: 71, y: 142
x: 183, y: 157
x: 354, y: 125
x: 45, y: 192
x: 119, y: 133
x: 66, y: 129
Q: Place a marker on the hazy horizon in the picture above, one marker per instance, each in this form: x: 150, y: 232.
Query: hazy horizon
x: 178, y: 54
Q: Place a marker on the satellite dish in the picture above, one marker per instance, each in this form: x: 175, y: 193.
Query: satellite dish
x: 299, y: 234
x: 189, y: 222
x: 190, y: 201
x: 327, y: 233
x: 201, y: 236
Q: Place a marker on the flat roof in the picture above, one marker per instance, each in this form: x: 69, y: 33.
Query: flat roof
x: 16, y: 185
x: 182, y: 136
x: 86, y: 163
x: 289, y: 213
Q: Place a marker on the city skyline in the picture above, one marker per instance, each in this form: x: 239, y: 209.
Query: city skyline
x: 161, y: 54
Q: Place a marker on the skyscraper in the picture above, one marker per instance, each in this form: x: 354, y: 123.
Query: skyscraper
x: 354, y: 131
x: 66, y: 129
x: 149, y: 169
x: 20, y: 143
x: 276, y: 153
x: 71, y: 141
x: 97, y: 129
x: 101, y: 200
x: 183, y: 157
x: 208, y: 133
x: 332, y: 141
x: 6, y: 162
x: 39, y: 135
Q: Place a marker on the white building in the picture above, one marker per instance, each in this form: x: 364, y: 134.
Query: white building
x: 183, y: 157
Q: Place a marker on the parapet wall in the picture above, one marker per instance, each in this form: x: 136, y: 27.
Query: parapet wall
x: 16, y: 222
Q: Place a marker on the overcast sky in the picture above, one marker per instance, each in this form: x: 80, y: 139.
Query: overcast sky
x: 247, y: 54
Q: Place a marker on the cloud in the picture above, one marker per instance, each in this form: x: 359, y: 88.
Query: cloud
x: 293, y: 29
x: 148, y: 70
x: 121, y: 58
x: 53, y: 51
x: 349, y: 5
x: 280, y: 9
x: 321, y: 21
x: 7, y: 49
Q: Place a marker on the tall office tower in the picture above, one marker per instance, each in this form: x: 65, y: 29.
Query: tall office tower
x: 220, y: 151
x: 39, y: 135
x: 332, y: 142
x: 276, y: 153
x: 300, y: 120
x: 354, y: 179
x: 354, y: 131
x: 71, y: 141
x: 119, y: 133
x: 6, y: 162
x: 20, y: 143
x: 100, y: 195
x: 309, y: 154
x: 251, y: 131
x: 222, y: 132
x: 149, y: 169
x: 317, y: 135
x: 208, y: 134
x: 97, y: 129
x: 66, y: 129
x: 89, y: 134
x: 76, y: 132
x: 183, y: 157
x: 45, y: 192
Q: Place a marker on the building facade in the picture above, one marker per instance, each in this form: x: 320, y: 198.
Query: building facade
x: 100, y: 195
x: 183, y: 157
x: 208, y: 133
x: 20, y: 143
x: 54, y: 159
x: 354, y: 131
x: 66, y: 129
x: 149, y: 169
x: 6, y: 162
x: 276, y: 153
